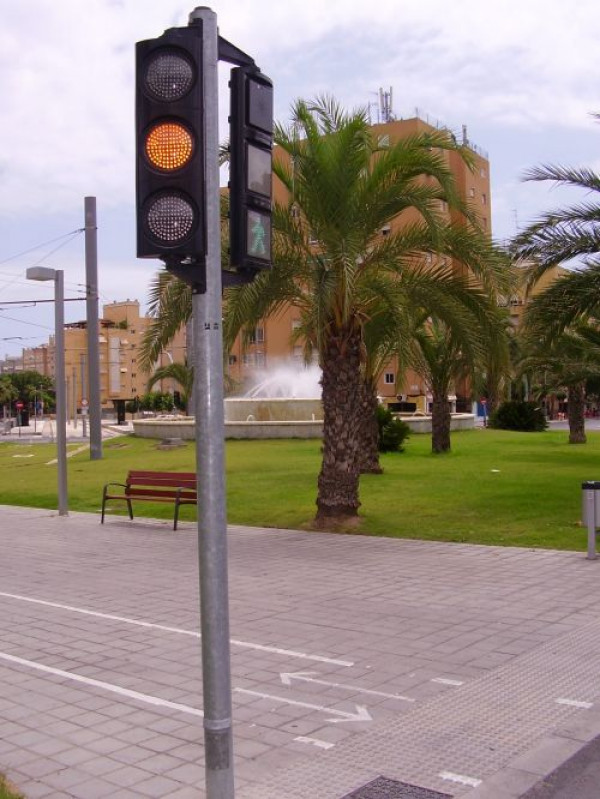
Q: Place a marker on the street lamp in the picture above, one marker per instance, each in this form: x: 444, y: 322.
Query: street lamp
x: 57, y: 275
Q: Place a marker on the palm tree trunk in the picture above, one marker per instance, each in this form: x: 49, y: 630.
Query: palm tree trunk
x: 440, y: 422
x: 368, y: 451
x: 576, y: 399
x: 337, y: 497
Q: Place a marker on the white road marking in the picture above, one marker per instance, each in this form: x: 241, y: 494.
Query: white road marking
x: 446, y: 681
x: 178, y: 631
x: 461, y: 778
x: 305, y: 676
x: 361, y: 714
x: 314, y: 741
x: 574, y: 703
x: 106, y: 686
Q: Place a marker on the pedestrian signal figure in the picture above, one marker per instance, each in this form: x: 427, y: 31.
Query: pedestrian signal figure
x: 258, y: 237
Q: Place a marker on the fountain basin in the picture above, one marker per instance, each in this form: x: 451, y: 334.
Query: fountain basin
x: 185, y: 427
x: 261, y: 409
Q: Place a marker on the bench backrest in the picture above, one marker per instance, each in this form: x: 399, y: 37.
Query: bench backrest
x: 164, y: 484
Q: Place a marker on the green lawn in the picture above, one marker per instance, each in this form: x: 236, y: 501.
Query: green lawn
x: 495, y: 487
x: 7, y: 792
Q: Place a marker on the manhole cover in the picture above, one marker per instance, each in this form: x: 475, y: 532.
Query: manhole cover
x: 382, y: 788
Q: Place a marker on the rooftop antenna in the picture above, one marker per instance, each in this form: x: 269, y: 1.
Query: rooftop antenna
x: 385, y: 105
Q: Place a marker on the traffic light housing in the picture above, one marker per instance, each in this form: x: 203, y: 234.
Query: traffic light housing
x: 170, y: 152
x: 250, y: 170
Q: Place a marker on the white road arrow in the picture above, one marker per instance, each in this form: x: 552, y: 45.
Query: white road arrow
x: 305, y: 676
x: 362, y: 714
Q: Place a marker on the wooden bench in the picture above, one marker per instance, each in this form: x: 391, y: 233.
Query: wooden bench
x: 176, y: 487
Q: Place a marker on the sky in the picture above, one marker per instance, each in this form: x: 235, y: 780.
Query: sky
x: 522, y: 75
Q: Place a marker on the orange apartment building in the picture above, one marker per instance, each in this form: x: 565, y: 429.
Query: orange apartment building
x: 121, y: 377
x: 271, y: 344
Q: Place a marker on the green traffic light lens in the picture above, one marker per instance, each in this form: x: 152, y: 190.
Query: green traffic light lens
x: 169, y: 74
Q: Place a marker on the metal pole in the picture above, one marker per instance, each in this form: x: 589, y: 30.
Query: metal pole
x: 590, y: 489
x: 61, y: 399
x: 91, y: 281
x: 84, y: 394
x: 74, y: 399
x: 210, y: 452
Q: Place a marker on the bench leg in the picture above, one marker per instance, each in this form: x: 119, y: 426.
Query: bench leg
x: 130, y: 509
x: 176, y: 514
x: 103, y: 505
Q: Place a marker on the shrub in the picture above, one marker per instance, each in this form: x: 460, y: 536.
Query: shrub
x: 519, y: 415
x: 392, y: 432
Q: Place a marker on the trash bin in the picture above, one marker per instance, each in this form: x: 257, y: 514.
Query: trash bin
x: 591, y: 513
x: 23, y: 417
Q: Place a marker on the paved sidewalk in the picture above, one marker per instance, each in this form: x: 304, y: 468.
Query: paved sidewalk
x: 465, y: 671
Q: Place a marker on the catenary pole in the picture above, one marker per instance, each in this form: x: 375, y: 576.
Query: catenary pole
x: 93, y: 333
x: 61, y: 396
x: 210, y: 454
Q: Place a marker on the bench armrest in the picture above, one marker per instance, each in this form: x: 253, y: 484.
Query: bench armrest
x: 122, y: 485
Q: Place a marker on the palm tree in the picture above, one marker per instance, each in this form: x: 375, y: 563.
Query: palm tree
x: 571, y: 234
x: 337, y: 269
x: 468, y: 314
x: 445, y: 354
x: 566, y: 361
x: 181, y: 373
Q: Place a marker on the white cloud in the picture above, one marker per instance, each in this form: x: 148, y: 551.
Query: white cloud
x: 521, y: 74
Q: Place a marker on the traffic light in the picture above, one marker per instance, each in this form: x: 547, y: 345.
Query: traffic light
x: 250, y: 169
x: 170, y: 152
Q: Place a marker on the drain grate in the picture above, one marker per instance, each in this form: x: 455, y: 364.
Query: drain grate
x: 382, y: 788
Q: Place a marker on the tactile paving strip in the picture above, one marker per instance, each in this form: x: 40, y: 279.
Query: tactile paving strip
x: 469, y: 733
x: 382, y: 788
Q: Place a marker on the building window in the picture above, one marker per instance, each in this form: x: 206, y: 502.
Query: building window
x: 257, y: 336
x: 484, y: 199
x: 389, y: 378
x: 296, y: 324
x: 482, y: 172
x: 386, y: 230
x: 471, y: 192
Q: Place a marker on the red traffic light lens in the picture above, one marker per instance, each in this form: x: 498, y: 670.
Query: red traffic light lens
x: 170, y: 217
x: 169, y: 146
x: 169, y: 74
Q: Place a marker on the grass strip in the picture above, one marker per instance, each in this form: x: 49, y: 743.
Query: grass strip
x: 495, y: 487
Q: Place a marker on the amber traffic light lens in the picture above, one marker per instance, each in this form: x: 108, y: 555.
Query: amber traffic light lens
x: 169, y: 146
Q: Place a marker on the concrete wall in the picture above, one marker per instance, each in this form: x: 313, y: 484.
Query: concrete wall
x: 185, y: 428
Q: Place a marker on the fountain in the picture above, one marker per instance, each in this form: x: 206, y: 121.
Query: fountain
x: 282, y: 403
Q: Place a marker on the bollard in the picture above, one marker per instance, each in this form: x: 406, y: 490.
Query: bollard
x: 591, y: 511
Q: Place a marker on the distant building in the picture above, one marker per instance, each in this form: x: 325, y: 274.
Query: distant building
x: 120, y: 337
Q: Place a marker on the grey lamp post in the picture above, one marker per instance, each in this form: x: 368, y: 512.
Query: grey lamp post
x: 57, y: 275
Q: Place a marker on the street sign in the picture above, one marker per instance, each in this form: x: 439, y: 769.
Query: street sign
x: 19, y: 405
x: 84, y: 403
